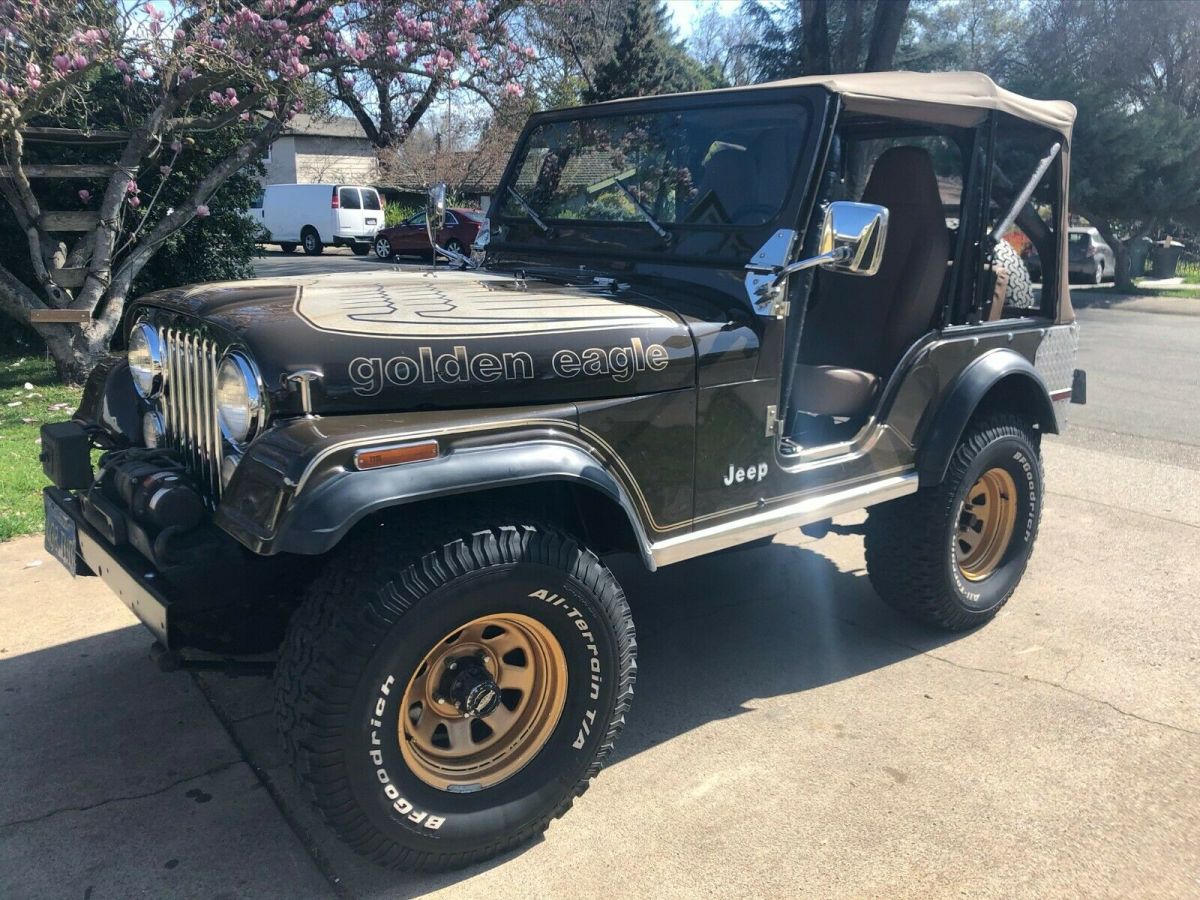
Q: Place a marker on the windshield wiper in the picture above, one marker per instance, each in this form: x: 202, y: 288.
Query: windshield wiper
x: 537, y: 220
x: 658, y: 229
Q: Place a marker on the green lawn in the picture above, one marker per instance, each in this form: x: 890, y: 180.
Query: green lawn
x: 30, y: 395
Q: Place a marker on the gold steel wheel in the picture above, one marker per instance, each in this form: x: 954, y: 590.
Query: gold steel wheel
x: 985, y: 524
x: 483, y: 702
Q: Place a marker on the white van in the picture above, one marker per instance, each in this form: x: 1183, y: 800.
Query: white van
x: 314, y: 215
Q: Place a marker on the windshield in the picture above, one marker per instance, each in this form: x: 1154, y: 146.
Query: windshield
x: 712, y: 166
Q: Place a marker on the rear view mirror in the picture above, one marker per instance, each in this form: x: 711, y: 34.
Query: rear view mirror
x: 435, y: 212
x: 852, y: 237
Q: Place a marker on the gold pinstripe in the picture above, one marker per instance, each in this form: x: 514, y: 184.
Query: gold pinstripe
x: 575, y: 432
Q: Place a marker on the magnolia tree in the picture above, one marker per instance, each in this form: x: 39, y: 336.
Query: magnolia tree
x: 159, y: 77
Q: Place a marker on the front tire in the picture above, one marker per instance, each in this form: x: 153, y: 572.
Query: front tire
x: 360, y: 249
x: 443, y: 708
x: 287, y: 247
x: 952, y: 554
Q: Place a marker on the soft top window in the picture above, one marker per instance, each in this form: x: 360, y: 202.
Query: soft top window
x: 711, y: 166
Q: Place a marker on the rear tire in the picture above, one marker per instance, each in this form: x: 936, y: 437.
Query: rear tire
x: 383, y: 248
x: 360, y: 249
x: 1098, y: 274
x: 952, y: 554
x: 311, y: 241
x: 380, y: 629
x: 288, y: 247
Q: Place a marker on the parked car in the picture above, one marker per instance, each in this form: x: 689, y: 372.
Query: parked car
x: 410, y: 238
x: 1089, y: 257
x: 405, y: 487
x: 315, y: 215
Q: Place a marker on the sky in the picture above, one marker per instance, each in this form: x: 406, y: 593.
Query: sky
x: 685, y: 12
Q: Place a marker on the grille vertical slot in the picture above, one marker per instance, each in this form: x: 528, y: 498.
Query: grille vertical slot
x: 189, y: 404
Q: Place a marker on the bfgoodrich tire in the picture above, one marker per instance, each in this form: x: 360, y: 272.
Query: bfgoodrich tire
x: 952, y: 554
x: 443, y: 708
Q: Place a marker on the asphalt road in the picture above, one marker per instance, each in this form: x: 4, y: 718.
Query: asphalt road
x: 790, y: 736
x: 274, y: 263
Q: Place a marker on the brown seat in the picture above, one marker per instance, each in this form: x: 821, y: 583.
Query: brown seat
x: 858, y: 327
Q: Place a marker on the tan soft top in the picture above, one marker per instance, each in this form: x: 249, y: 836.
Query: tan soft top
x: 951, y: 98
x: 947, y: 98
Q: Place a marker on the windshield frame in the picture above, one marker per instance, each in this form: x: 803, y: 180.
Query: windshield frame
x: 815, y: 101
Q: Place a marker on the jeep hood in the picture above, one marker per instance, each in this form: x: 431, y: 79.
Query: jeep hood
x: 405, y: 340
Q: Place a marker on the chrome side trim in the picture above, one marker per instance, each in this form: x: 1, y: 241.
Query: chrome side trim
x: 823, y: 505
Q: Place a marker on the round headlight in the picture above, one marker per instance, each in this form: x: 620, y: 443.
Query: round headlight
x: 239, y: 398
x: 146, y: 360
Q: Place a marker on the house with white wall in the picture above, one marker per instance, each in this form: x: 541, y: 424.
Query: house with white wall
x: 319, y: 149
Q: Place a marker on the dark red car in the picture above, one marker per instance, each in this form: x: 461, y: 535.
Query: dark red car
x: 409, y: 237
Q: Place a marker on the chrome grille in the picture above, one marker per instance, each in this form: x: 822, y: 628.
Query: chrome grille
x: 189, y: 403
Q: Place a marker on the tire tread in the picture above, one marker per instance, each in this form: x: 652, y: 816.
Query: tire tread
x: 353, y: 604
x: 905, y: 542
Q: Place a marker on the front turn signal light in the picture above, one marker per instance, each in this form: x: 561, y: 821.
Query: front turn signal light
x: 398, y: 455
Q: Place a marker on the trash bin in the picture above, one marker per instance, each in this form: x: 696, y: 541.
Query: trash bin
x: 1139, y: 251
x: 1165, y: 260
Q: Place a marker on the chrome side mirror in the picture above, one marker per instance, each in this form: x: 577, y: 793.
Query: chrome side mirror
x: 852, y: 241
x: 435, y: 212
x: 435, y: 220
x: 853, y: 235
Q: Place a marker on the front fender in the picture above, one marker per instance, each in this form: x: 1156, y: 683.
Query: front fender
x: 305, y: 501
x: 1001, y: 369
x: 320, y: 518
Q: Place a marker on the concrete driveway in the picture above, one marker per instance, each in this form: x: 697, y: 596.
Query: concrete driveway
x: 790, y: 735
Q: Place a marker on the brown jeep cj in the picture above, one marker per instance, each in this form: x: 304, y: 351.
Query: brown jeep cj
x: 691, y: 322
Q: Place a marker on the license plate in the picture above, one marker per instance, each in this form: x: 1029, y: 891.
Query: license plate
x: 370, y: 221
x: 60, y: 536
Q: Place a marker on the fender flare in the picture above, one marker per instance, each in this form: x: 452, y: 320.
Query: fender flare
x: 318, y: 518
x: 963, y: 397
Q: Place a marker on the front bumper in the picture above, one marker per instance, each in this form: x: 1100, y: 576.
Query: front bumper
x: 123, y: 569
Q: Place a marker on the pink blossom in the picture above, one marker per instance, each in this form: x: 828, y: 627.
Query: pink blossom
x: 202, y: 211
x: 85, y: 195
x: 512, y: 89
x: 176, y: 145
x: 131, y: 187
x: 135, y: 201
x: 164, y: 171
x: 62, y: 65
